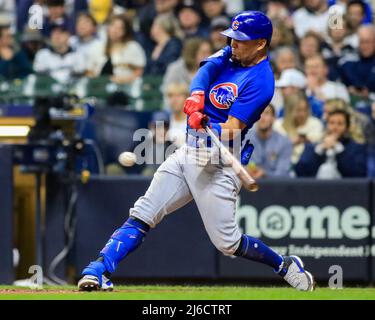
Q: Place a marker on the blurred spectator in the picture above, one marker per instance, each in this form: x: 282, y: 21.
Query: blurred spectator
x: 355, y: 15
x: 313, y: 16
x: 190, y: 18
x: 336, y: 155
x: 212, y: 9
x: 157, y: 147
x: 86, y: 39
x: 183, y: 70
x: 8, y: 13
x: 291, y: 81
x: 13, y: 62
x: 298, y: 124
x: 166, y: 33
x: 282, y: 36
x: 336, y: 46
x: 56, y: 17
x: 285, y: 58
x: 318, y: 84
x: 361, y: 129
x: 278, y: 11
x: 31, y: 42
x: 121, y: 57
x: 177, y: 93
x: 59, y: 61
x: 309, y: 45
x: 146, y: 17
x: 218, y: 25
x: 358, y: 70
x: 233, y: 7
x: 272, y: 152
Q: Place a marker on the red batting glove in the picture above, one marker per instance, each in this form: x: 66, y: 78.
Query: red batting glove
x: 195, y: 120
x: 194, y: 103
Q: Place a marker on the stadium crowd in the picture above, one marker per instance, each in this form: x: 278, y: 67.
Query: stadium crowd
x: 321, y: 121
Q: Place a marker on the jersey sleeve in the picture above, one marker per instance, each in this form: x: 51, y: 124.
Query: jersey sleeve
x: 252, y: 101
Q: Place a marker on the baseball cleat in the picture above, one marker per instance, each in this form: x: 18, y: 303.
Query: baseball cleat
x: 92, y: 283
x: 294, y: 273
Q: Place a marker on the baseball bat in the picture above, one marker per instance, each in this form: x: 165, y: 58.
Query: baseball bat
x: 247, y: 181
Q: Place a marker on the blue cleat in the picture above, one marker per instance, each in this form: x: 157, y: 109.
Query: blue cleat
x: 94, y: 278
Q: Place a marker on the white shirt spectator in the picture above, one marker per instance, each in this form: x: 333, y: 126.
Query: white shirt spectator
x: 131, y: 54
x: 305, y: 21
x: 331, y: 90
x: 86, y: 48
x: 58, y: 66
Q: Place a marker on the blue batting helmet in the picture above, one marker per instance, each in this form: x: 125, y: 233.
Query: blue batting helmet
x: 250, y: 25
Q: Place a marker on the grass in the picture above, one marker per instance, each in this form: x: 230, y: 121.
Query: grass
x: 161, y: 292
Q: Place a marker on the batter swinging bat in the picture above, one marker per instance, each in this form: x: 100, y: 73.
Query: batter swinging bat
x: 247, y: 181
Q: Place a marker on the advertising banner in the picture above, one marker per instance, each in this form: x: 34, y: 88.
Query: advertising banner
x: 326, y: 223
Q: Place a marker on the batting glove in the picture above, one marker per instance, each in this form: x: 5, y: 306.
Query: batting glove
x: 194, y: 103
x: 198, y: 120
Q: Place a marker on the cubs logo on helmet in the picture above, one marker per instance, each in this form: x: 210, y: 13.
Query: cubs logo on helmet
x: 235, y: 25
x: 223, y: 95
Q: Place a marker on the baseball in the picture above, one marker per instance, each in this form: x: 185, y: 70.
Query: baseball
x: 127, y: 159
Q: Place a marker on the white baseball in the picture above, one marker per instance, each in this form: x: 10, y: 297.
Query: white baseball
x: 127, y: 159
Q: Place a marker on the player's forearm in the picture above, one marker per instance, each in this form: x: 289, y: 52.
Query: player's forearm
x: 231, y: 128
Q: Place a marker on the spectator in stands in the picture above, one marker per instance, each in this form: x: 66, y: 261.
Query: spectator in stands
x: 166, y: 33
x: 156, y: 146
x: 13, y: 62
x: 177, y: 93
x: 282, y: 36
x: 355, y: 15
x: 56, y: 17
x: 278, y: 12
x: 336, y: 155
x: 318, y: 84
x: 86, y: 39
x: 309, y: 45
x: 218, y: 25
x: 212, y: 9
x: 7, y: 13
x: 146, y: 17
x: 190, y: 17
x: 313, y: 16
x: 285, y: 58
x: 298, y: 124
x: 358, y: 70
x: 59, y: 61
x: 336, y: 46
x: 121, y: 57
x: 183, y: 70
x: 361, y: 128
x: 273, y: 151
x: 291, y: 81
x: 31, y: 42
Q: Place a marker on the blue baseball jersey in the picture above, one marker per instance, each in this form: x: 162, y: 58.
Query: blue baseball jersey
x: 241, y: 92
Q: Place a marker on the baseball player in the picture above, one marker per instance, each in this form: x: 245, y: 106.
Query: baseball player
x: 228, y: 94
